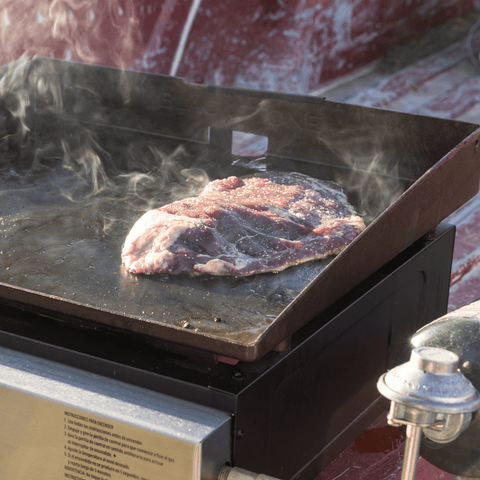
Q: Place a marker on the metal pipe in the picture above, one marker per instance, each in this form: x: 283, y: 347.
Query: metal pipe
x: 235, y: 473
x: 412, y: 449
x: 184, y: 36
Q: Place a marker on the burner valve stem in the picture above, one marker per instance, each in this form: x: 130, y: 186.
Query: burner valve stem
x: 431, y: 396
x: 235, y: 473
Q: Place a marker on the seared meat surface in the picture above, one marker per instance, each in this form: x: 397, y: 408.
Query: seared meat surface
x: 244, y: 226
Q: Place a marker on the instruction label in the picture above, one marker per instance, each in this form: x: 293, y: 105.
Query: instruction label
x: 100, y: 450
x: 66, y: 442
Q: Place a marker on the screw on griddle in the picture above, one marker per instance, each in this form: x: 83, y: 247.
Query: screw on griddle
x: 217, y: 319
x: 238, y: 376
x: 186, y: 325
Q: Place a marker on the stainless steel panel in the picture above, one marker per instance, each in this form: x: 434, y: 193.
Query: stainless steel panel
x: 59, y: 422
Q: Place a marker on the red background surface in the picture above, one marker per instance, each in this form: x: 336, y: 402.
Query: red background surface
x: 283, y: 45
x: 292, y: 46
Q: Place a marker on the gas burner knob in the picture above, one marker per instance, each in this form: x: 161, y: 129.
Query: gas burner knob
x: 429, y: 384
x: 435, y: 360
x: 431, y: 396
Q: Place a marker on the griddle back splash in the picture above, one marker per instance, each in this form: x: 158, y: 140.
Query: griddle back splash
x: 86, y: 150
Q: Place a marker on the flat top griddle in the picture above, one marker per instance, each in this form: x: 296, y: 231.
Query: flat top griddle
x: 63, y: 219
x: 71, y: 250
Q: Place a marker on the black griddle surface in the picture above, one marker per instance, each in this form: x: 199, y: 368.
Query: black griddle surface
x: 60, y: 246
x: 68, y: 253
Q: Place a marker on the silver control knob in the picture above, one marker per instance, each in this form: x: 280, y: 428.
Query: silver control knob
x: 435, y: 360
x: 428, y: 394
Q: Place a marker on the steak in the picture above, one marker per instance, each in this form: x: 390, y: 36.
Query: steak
x: 243, y: 226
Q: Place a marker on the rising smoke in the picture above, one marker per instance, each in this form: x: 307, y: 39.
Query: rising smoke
x: 105, y: 32
x: 55, y: 123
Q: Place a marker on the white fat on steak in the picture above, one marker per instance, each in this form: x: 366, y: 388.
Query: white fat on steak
x: 243, y: 226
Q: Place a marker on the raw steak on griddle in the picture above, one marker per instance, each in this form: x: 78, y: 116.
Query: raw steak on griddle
x: 244, y: 226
